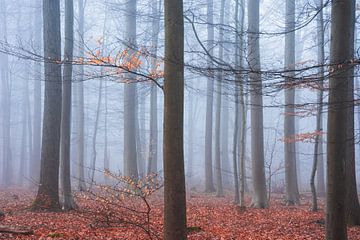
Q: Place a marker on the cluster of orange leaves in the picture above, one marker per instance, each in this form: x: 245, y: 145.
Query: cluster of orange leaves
x: 302, y: 137
x: 122, y: 62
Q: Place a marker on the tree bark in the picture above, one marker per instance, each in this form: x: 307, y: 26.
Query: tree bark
x: 342, y: 31
x: 130, y: 120
x: 291, y: 185
x: 80, y: 101
x: 209, y: 182
x: 174, y: 174
x: 47, y: 197
x: 257, y: 135
x: 67, y: 198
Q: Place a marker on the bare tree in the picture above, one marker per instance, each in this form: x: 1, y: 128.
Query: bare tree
x: 67, y: 199
x: 47, y: 197
x: 209, y: 182
x: 342, y: 32
x: 174, y: 174
x: 257, y: 134
x: 292, y: 192
x: 80, y: 100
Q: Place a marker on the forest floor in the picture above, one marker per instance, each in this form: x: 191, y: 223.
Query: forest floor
x: 208, y: 218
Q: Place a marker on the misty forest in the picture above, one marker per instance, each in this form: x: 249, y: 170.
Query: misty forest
x: 179, y: 119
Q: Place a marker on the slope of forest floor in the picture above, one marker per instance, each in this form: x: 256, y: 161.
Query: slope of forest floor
x: 208, y: 218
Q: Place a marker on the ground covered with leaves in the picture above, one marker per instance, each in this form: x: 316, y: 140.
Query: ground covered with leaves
x: 208, y: 218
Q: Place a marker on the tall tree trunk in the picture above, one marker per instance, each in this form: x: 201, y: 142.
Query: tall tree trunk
x: 35, y: 163
x: 6, y: 102
x: 153, y: 139
x: 257, y: 131
x: 47, y: 197
x: 174, y: 174
x: 80, y: 101
x: 342, y: 31
x: 318, y: 141
x: 67, y: 199
x: 130, y: 153
x: 352, y: 200
x: 209, y: 182
x: 291, y: 185
x: 220, y: 77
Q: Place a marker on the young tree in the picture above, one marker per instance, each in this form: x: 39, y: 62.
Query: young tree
x: 47, y: 197
x: 209, y: 182
x: 174, y: 174
x: 318, y: 139
x: 342, y: 30
x: 257, y: 134
x: 67, y: 199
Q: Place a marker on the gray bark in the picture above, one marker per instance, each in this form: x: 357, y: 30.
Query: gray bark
x: 6, y: 102
x: 153, y: 139
x: 47, y: 197
x: 67, y: 199
x: 220, y: 77
x: 130, y: 153
x: 209, y: 182
x: 35, y: 163
x: 291, y: 186
x: 257, y: 135
x: 80, y: 101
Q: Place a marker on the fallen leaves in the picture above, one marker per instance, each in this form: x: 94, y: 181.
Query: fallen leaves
x: 208, y: 218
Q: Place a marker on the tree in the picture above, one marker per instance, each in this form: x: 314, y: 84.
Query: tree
x: 47, y: 197
x: 80, y: 100
x: 130, y: 153
x: 35, y: 163
x: 342, y: 30
x: 174, y: 173
x: 67, y: 199
x: 153, y: 139
x: 292, y: 192
x: 257, y: 134
x: 220, y: 78
x: 318, y: 141
x: 352, y: 200
x: 209, y: 182
x: 6, y: 102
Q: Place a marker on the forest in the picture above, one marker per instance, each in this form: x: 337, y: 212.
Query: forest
x: 179, y: 119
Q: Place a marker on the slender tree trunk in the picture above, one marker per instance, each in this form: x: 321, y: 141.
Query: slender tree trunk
x: 257, y: 135
x: 47, y: 197
x: 130, y: 153
x: 318, y: 141
x: 35, y: 163
x: 6, y: 101
x: 342, y: 31
x: 153, y: 139
x: 80, y: 101
x: 292, y: 192
x: 209, y: 182
x: 220, y: 76
x: 67, y: 199
x: 174, y: 173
